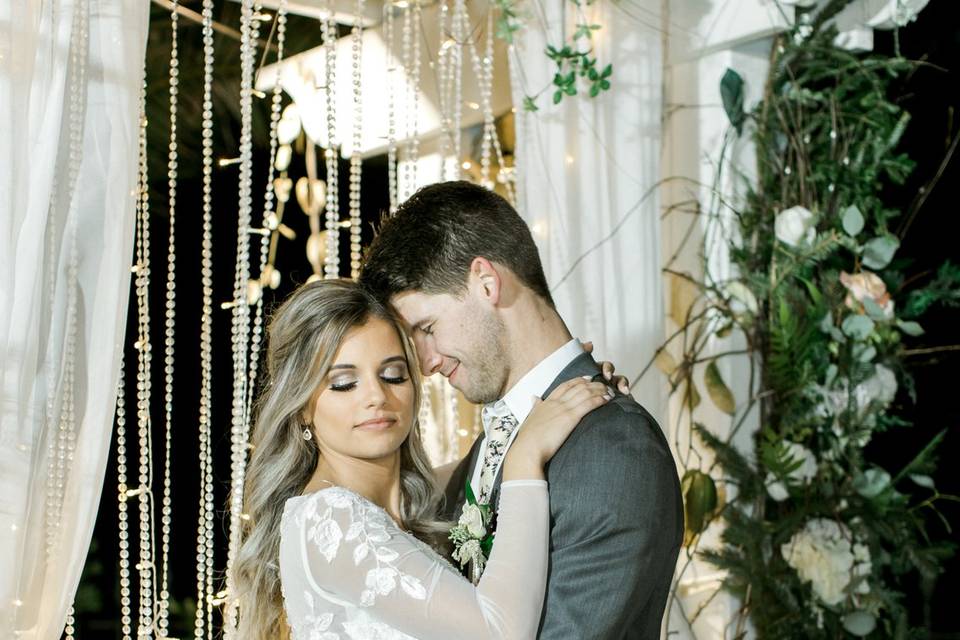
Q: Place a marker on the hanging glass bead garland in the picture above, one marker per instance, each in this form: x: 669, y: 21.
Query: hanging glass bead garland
x: 254, y: 293
x: 356, y: 53
x: 62, y: 430
x: 329, y: 32
x: 122, y: 507
x: 411, y: 62
x: 389, y: 36
x: 459, y: 34
x: 145, y: 566
x: 203, y: 622
x: 240, y: 326
x: 163, y: 602
x: 269, y: 232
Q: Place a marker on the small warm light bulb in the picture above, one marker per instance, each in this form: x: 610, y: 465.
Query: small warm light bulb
x: 466, y: 165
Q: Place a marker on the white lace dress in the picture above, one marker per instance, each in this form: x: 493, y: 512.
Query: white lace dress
x: 350, y: 573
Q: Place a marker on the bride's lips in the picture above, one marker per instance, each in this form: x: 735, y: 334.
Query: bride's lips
x: 376, y: 424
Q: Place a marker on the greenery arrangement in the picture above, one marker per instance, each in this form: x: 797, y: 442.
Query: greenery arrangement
x: 574, y: 58
x: 816, y: 537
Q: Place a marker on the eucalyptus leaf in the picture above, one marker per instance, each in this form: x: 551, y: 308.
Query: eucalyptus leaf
x: 852, y: 220
x: 857, y: 326
x: 859, y: 623
x: 923, y: 481
x: 872, y: 483
x: 878, y: 253
x: 866, y: 354
x: 873, y: 309
x: 910, y: 327
x: 731, y: 93
x: 832, y: 371
x: 717, y: 389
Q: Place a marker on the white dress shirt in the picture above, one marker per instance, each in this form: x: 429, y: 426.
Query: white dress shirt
x: 519, y: 399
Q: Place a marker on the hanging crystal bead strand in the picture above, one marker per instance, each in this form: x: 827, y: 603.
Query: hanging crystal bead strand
x: 331, y: 268
x: 122, y: 524
x: 456, y: 100
x: 356, y: 52
x: 271, y: 222
x: 163, y: 600
x: 145, y: 566
x: 62, y: 431
x: 389, y: 36
x: 411, y: 62
x: 240, y: 326
x: 204, y: 614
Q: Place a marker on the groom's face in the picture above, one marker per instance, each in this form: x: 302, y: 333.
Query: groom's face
x: 462, y: 339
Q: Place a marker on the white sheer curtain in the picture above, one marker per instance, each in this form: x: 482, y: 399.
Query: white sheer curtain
x: 587, y: 172
x: 70, y: 77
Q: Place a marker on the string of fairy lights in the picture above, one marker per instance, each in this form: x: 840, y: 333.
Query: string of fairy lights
x: 145, y: 588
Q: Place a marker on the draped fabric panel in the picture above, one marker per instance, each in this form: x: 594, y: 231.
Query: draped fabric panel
x: 587, y: 171
x: 70, y: 79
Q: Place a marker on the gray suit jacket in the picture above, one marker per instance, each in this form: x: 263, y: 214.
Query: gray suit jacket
x: 616, y: 521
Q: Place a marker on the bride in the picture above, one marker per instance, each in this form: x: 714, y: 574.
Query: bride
x: 343, y: 539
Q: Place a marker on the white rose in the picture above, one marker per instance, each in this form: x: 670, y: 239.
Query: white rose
x: 795, y: 227
x: 881, y: 387
x: 822, y: 554
x: 472, y: 520
x: 802, y: 475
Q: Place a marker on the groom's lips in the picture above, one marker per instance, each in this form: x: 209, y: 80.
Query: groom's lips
x: 449, y: 376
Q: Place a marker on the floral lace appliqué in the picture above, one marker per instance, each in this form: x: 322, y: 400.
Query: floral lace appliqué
x: 367, y: 533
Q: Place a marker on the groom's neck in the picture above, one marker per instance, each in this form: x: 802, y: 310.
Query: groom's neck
x: 535, y: 331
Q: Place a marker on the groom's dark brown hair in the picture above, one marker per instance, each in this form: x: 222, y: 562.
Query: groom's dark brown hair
x: 429, y: 244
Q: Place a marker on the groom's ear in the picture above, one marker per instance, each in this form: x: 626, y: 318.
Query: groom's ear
x: 485, y: 280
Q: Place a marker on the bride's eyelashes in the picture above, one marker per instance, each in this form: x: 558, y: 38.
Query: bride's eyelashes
x: 351, y: 384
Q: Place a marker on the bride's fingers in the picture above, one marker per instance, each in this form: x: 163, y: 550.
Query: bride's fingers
x: 584, y: 392
x: 622, y: 384
x: 587, y: 346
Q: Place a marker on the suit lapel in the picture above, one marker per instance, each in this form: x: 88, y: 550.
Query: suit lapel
x: 582, y: 365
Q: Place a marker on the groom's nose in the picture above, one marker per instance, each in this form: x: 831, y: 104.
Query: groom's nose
x: 430, y: 361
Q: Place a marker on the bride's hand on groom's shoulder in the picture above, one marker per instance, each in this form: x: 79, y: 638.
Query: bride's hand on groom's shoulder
x: 548, y: 425
x: 620, y: 382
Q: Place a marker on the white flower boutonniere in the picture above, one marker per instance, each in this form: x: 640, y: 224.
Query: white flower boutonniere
x: 471, y: 536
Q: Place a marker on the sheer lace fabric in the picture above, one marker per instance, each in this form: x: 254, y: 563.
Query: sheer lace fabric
x: 350, y: 573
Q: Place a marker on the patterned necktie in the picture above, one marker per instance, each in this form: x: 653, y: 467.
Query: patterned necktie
x: 500, y: 431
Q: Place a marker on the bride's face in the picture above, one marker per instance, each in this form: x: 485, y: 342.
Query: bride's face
x: 364, y: 407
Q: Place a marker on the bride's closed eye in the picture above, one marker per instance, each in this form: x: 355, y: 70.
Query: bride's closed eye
x: 392, y: 374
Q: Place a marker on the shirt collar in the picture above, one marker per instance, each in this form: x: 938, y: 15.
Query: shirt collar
x: 519, y: 399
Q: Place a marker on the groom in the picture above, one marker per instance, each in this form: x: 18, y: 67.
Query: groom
x: 461, y: 268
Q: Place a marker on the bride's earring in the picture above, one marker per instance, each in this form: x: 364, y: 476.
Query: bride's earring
x: 307, y: 433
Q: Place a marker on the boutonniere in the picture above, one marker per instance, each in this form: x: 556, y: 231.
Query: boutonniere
x: 471, y: 536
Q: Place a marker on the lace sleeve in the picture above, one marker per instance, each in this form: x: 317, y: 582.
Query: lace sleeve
x: 355, y: 552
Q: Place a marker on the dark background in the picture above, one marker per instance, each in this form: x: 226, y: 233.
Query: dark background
x: 931, y: 94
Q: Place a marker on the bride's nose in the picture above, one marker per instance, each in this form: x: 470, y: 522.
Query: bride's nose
x: 376, y: 396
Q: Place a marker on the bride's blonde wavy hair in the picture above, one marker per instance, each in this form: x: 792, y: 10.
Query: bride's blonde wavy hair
x: 303, y: 337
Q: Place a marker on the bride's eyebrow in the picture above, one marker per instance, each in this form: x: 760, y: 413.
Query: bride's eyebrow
x: 385, y: 361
